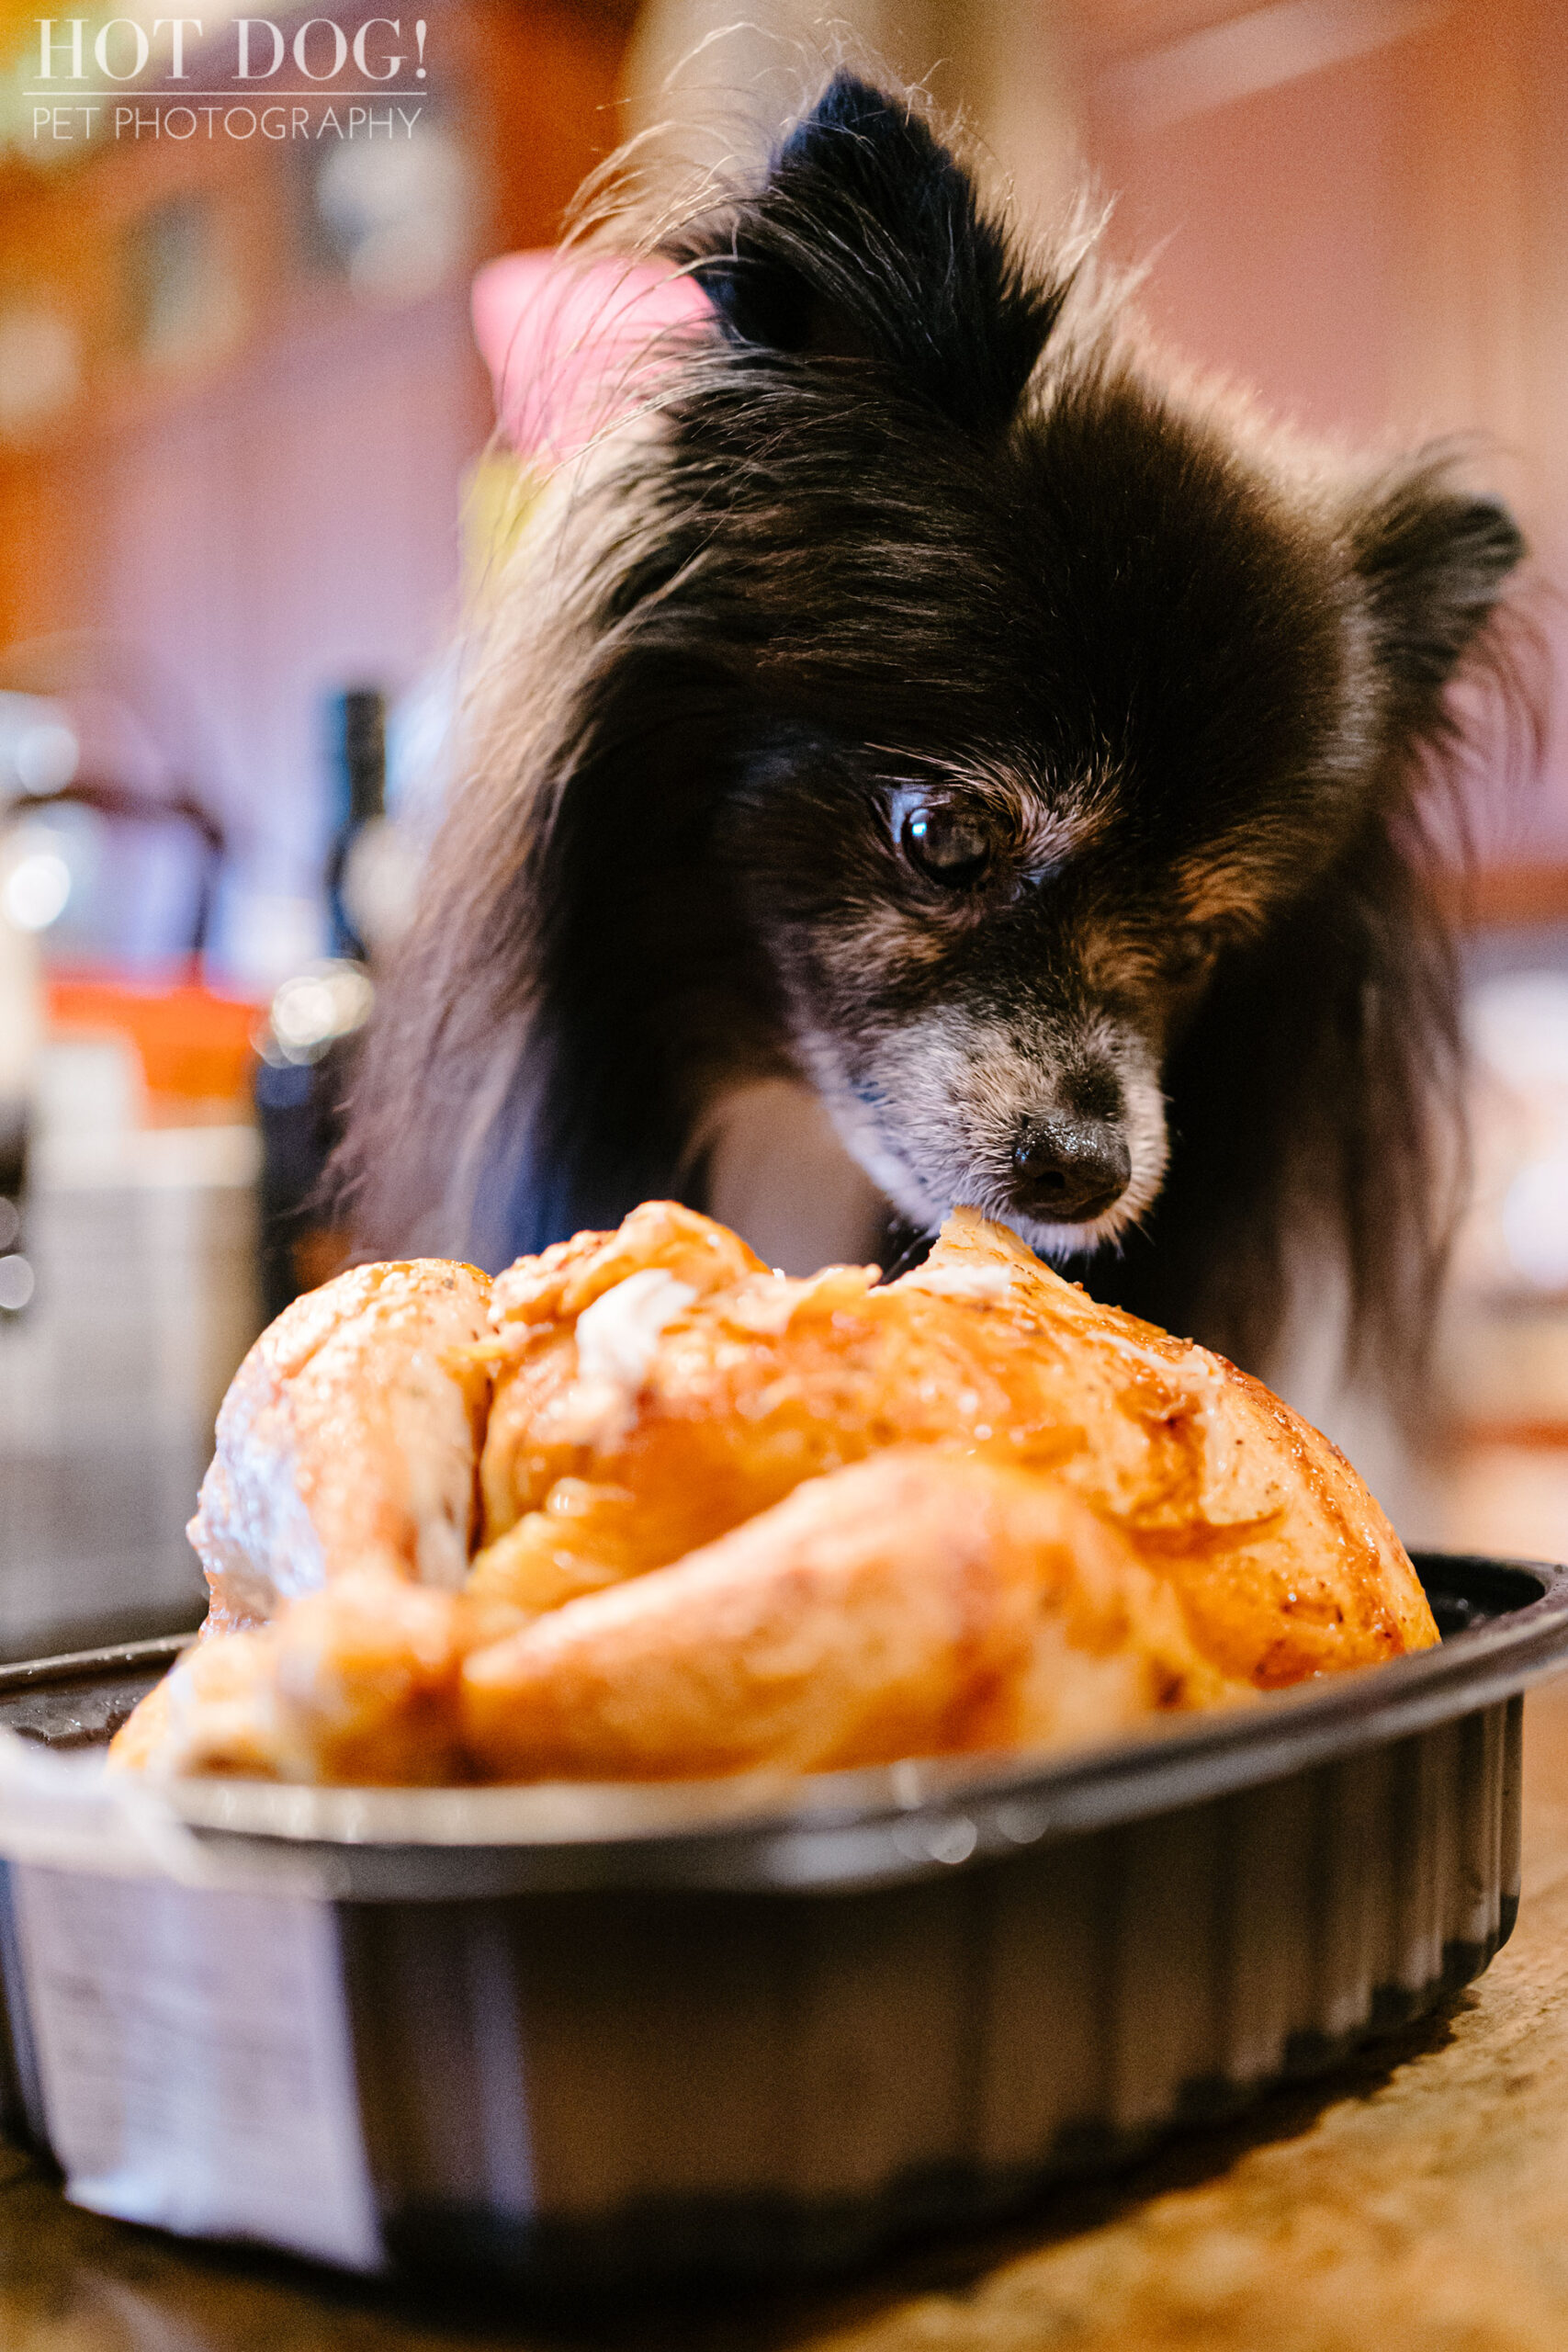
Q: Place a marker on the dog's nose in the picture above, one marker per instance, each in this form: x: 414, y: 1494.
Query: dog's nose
x: 1066, y: 1172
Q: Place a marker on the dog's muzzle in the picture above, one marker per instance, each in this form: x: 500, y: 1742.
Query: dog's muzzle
x: 1068, y: 1171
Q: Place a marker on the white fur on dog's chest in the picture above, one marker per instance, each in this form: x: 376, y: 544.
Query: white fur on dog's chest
x: 778, y: 1175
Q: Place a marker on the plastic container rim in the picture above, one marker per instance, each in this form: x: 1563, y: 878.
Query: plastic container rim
x: 941, y: 1811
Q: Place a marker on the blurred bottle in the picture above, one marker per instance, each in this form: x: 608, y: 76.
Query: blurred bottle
x: 21, y: 1034
x: 360, y: 733
x: 373, y: 870
x: 307, y: 1050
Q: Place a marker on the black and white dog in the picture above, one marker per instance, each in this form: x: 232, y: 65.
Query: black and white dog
x: 940, y: 710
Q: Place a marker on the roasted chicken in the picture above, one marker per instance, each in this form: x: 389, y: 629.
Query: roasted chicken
x: 640, y: 1509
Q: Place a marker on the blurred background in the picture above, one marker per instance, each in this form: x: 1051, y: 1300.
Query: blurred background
x: 247, y: 484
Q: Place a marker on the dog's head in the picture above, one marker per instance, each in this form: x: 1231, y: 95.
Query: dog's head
x: 1048, y: 688
x: 940, y: 700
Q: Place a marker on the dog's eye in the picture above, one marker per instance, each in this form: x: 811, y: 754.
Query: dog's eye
x: 946, y: 846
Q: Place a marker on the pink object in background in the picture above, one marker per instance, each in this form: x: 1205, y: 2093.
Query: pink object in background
x: 572, y: 342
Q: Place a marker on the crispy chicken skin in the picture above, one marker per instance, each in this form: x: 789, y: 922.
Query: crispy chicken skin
x: 727, y: 1520
x: 348, y: 1439
x: 915, y: 1604
x: 1285, y: 1564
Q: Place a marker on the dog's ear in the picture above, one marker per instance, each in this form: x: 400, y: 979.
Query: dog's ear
x: 867, y: 242
x: 1434, y: 562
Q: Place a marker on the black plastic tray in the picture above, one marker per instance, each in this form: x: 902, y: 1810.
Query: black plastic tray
x: 763, y: 2028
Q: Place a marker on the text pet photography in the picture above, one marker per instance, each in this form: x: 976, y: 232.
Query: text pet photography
x: 136, y: 80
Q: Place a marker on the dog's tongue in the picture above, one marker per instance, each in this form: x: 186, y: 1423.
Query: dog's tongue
x: 572, y: 344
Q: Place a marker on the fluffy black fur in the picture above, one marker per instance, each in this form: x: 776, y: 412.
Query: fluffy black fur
x: 948, y: 708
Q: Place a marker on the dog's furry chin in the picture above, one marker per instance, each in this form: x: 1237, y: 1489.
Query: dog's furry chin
x: 933, y: 703
x: 961, y: 1112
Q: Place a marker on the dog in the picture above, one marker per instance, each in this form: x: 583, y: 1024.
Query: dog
x: 994, y: 755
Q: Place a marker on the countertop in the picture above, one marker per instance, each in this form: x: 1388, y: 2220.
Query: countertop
x: 1415, y: 2202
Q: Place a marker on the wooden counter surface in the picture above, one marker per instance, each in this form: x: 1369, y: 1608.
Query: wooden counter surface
x: 1416, y: 2203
